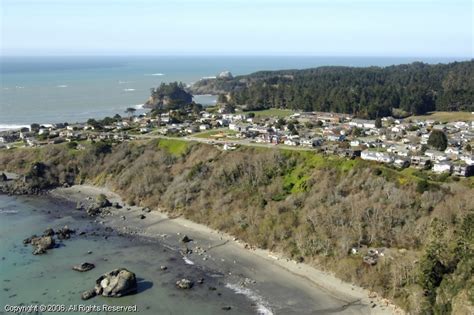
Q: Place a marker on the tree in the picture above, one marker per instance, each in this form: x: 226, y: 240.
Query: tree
x: 221, y: 99
x: 468, y: 148
x: 130, y: 111
x: 34, y: 127
x: 378, y: 122
x: 438, y: 140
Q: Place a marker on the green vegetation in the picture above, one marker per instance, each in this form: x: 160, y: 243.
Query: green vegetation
x: 371, y: 92
x: 446, y: 116
x: 173, y: 146
x: 272, y: 112
x: 169, y: 96
x: 311, y: 207
x: 438, y: 140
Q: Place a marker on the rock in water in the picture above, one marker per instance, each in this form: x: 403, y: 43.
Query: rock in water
x: 64, y: 233
x: 48, y: 232
x: 116, y: 283
x: 88, y: 294
x: 184, y: 284
x: 84, y: 267
x: 42, y: 244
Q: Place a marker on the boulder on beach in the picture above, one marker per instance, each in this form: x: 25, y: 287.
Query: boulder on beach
x: 102, y: 201
x: 92, y: 210
x: 142, y: 216
x: 184, y: 284
x: 84, y: 267
x: 3, y: 177
x: 116, y: 283
x: 185, y: 239
x: 116, y: 205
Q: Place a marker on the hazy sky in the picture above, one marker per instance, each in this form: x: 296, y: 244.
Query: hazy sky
x: 232, y: 27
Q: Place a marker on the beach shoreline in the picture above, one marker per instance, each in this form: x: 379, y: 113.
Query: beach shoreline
x: 273, y: 274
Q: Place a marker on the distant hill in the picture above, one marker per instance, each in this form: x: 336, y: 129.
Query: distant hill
x: 415, y: 88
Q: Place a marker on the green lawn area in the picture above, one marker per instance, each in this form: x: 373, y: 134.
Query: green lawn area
x: 273, y: 112
x: 216, y: 133
x: 445, y: 116
x: 175, y: 147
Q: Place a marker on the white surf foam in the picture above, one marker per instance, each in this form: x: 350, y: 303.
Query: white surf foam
x: 4, y: 127
x: 209, y: 77
x: 262, y: 305
x: 138, y: 106
x: 155, y: 74
x: 8, y: 211
x: 188, y: 261
x: 129, y: 90
x: 61, y: 86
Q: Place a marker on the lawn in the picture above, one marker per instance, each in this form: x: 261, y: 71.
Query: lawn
x: 446, y: 116
x: 175, y: 147
x: 273, y: 112
x: 216, y: 134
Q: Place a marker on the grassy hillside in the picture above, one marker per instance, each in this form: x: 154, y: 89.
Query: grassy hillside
x: 310, y: 207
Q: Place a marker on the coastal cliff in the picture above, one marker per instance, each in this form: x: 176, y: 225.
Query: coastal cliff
x: 401, y: 234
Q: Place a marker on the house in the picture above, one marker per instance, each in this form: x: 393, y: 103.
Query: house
x: 467, y: 158
x: 436, y: 155
x: 362, y: 123
x: 204, y: 127
x: 463, y: 170
x: 420, y: 162
x: 229, y: 147
x: 376, y: 156
x: 401, y: 163
x: 442, y: 167
x: 350, y: 153
x: 292, y: 142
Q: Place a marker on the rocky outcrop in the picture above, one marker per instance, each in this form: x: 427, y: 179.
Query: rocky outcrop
x: 184, y: 284
x: 116, y: 283
x: 64, y: 233
x: 83, y: 267
x: 42, y: 244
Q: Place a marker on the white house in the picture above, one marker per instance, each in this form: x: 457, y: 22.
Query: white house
x: 442, y: 167
x: 376, y: 156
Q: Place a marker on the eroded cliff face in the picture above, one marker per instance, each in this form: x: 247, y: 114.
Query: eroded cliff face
x: 323, y: 210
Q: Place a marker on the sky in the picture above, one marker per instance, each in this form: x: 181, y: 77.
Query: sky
x: 411, y: 28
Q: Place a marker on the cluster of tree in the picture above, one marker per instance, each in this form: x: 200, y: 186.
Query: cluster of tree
x: 369, y: 92
x: 169, y: 96
x: 99, y: 124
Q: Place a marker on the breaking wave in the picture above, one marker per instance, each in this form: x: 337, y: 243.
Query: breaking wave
x: 262, y: 305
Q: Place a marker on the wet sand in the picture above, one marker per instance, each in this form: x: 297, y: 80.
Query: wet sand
x: 275, y: 284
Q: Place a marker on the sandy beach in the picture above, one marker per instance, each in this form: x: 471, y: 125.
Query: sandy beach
x: 276, y: 284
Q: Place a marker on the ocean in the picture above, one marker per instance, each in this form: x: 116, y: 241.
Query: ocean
x: 58, y: 89
x: 26, y: 279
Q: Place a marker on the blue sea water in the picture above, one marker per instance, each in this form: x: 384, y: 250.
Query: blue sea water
x: 58, y: 89
x: 26, y: 279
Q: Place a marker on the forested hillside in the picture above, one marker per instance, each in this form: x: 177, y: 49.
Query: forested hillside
x: 366, y: 92
x: 313, y: 208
